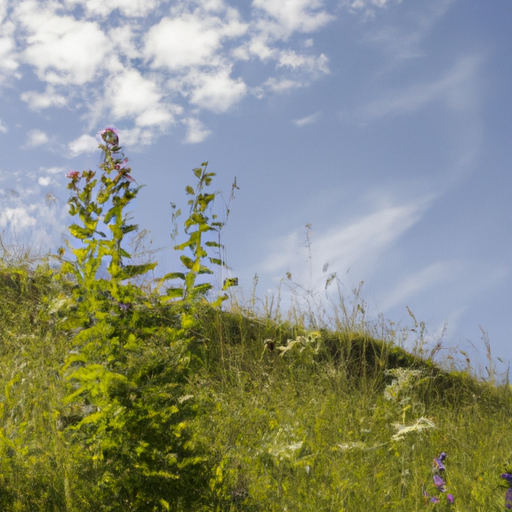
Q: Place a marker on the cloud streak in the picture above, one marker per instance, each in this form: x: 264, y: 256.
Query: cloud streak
x: 456, y: 89
x: 359, y: 243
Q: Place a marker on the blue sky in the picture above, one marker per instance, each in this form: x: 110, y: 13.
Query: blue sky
x: 384, y: 124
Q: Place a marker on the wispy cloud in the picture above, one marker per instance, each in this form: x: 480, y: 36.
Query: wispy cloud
x: 359, y: 243
x: 456, y: 89
x: 420, y: 280
x: 303, y: 121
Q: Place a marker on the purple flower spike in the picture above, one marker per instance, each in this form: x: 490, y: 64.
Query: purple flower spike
x: 508, y: 499
x: 72, y: 174
x: 109, y: 135
x: 507, y: 477
x: 450, y: 499
x: 434, y: 499
x: 438, y: 463
x: 439, y: 483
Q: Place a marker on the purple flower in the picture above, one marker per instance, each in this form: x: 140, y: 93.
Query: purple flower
x: 507, y: 477
x: 438, y: 462
x: 439, y: 483
x: 508, y: 499
x: 72, y: 174
x: 124, y: 307
x: 450, y: 499
x: 109, y: 135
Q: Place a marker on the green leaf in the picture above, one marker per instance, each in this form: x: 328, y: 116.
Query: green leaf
x: 189, y: 190
x: 174, y: 275
x: 174, y: 293
x: 198, y: 172
x: 187, y: 261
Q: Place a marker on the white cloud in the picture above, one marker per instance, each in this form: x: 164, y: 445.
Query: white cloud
x: 189, y: 40
x: 149, y: 64
x: 132, y: 8
x: 132, y: 95
x: 62, y: 49
x: 44, y: 181
x: 312, y: 64
x: 3, y: 127
x: 84, y: 144
x: 196, y: 131
x: 8, y: 55
x: 36, y: 138
x: 39, y: 101
x: 294, y: 15
x: 16, y: 218
x: 53, y: 170
x: 368, y: 6
x: 217, y: 91
x: 303, y: 121
x: 282, y: 85
x: 358, y: 244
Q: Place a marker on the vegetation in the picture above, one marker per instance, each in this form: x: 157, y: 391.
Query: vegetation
x: 121, y: 397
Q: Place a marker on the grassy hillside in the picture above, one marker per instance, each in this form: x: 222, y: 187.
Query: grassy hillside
x: 277, y: 418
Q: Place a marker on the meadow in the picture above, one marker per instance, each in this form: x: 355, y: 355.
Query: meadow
x: 122, y: 391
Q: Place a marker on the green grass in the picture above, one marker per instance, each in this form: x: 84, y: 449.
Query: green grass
x: 281, y: 417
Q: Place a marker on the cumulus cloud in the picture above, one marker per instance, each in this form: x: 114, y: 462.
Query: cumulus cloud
x: 137, y: 97
x: 36, y: 138
x: 62, y: 49
x: 150, y: 64
x: 131, y: 8
x: 189, y: 39
x: 294, y: 15
x: 84, y: 144
x: 44, y: 181
x: 196, y: 131
x: 46, y: 99
x: 216, y: 92
x: 17, y: 218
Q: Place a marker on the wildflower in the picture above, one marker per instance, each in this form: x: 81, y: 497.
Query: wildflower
x: 109, y: 135
x: 439, y: 483
x: 122, y: 165
x: 438, y: 462
x: 508, y: 496
x: 124, y: 307
x: 438, y: 469
x: 72, y: 174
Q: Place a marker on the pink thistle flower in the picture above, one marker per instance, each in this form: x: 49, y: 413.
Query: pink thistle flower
x: 110, y: 136
x: 72, y: 174
x: 122, y: 165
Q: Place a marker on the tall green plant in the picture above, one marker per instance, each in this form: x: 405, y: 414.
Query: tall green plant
x: 128, y: 404
x: 197, y: 227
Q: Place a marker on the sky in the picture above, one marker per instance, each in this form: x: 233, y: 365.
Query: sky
x: 368, y: 138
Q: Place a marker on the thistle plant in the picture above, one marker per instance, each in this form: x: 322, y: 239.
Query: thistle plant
x: 129, y: 362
